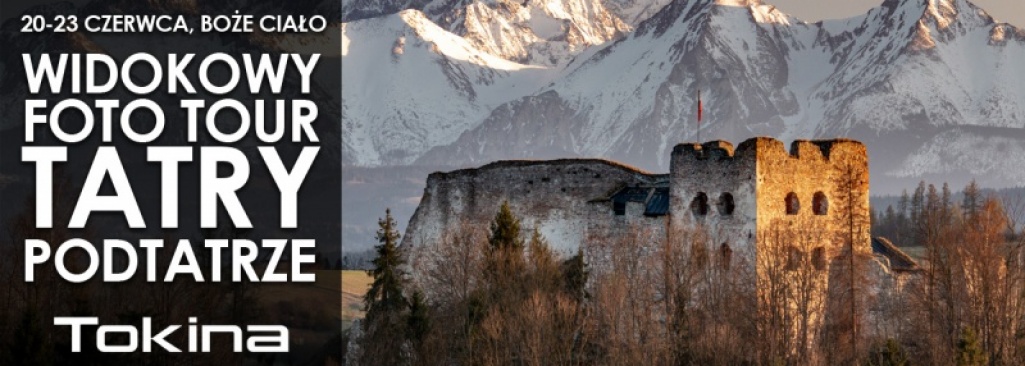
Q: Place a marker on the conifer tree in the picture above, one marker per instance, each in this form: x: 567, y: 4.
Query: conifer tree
x: 890, y: 353
x: 903, y: 224
x: 574, y: 274
x: 969, y: 351
x: 419, y: 322
x: 385, y: 294
x: 505, y: 230
x: 546, y: 275
x: 384, y: 325
x: 947, y: 198
x: 504, y: 262
x: 917, y: 208
x: 972, y: 201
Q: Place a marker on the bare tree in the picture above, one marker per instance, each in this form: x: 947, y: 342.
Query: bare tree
x: 851, y: 223
x: 792, y: 275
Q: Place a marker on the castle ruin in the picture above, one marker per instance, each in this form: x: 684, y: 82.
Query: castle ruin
x: 742, y: 196
x: 737, y: 192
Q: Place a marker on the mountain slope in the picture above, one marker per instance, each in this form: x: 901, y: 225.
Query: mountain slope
x: 408, y: 85
x: 898, y: 77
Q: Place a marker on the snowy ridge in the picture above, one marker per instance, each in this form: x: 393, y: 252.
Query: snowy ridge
x: 905, y: 76
x: 540, y: 32
x: 408, y: 85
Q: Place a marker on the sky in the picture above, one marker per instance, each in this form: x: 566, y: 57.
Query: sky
x: 1010, y: 11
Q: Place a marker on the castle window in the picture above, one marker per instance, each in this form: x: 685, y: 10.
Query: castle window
x: 725, y: 255
x: 700, y: 204
x: 820, y: 204
x: 794, y: 258
x: 818, y: 258
x: 619, y: 208
x: 726, y: 205
x: 793, y: 204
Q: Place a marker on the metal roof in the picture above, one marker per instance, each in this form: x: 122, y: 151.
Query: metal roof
x: 658, y: 204
x: 899, y: 260
x: 631, y: 194
x: 655, y: 199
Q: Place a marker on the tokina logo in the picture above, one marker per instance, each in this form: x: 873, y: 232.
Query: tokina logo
x: 258, y: 338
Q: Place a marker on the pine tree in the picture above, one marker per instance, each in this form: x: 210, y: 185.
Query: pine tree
x: 505, y: 263
x: 902, y: 205
x: 546, y: 276
x: 574, y: 274
x: 903, y: 224
x: 969, y: 351
x: 972, y: 201
x: 505, y: 230
x: 889, y: 354
x: 384, y: 326
x: 890, y: 225
x: 917, y: 208
x: 385, y: 294
x: 948, y: 204
x: 419, y: 322
x: 932, y: 215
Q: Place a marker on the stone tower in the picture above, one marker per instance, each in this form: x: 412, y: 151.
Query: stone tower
x: 741, y: 195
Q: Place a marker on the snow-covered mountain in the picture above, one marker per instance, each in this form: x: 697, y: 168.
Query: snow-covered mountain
x: 910, y: 78
x: 415, y: 80
x: 408, y: 86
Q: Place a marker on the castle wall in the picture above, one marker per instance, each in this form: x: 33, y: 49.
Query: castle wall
x: 796, y: 228
x: 557, y: 196
x: 807, y: 169
x: 714, y: 170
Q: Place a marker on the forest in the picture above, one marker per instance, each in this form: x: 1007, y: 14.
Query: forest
x: 499, y: 295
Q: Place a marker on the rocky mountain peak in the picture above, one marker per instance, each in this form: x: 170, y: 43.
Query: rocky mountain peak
x: 743, y: 3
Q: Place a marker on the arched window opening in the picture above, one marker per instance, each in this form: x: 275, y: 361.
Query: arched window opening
x: 792, y: 203
x: 700, y: 204
x: 818, y: 258
x: 726, y: 204
x: 794, y: 258
x: 725, y: 255
x: 820, y: 204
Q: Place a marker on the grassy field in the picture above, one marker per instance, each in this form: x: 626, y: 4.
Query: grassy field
x: 354, y: 285
x: 311, y: 302
x: 918, y: 253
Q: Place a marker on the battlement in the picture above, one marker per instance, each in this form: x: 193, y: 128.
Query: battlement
x: 769, y: 148
x: 709, y: 150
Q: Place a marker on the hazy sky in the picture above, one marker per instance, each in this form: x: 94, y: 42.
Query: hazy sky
x: 1011, y: 11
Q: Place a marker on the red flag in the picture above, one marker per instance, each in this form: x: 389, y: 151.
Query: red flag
x: 699, y: 107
